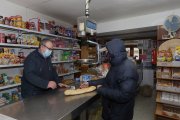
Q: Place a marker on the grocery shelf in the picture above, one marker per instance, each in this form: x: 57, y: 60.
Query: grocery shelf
x: 17, y: 45
x: 21, y: 65
x: 9, y: 86
x: 68, y: 49
x: 11, y: 65
x: 68, y: 73
x: 58, y: 48
x: 56, y: 62
x: 76, y: 49
x: 158, y: 100
x: 34, y: 32
x: 159, y: 112
x: 168, y: 91
x: 168, y: 78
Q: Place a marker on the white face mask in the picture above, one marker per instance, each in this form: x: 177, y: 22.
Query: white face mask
x: 47, y: 53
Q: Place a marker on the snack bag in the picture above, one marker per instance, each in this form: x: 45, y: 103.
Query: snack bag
x: 177, y: 54
x: 161, y: 56
x: 168, y: 55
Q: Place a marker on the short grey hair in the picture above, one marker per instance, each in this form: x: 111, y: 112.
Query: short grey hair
x: 44, y: 41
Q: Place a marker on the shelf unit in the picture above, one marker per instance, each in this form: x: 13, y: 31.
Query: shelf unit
x: 159, y: 112
x: 11, y: 65
x: 21, y: 65
x: 168, y: 79
x: 34, y: 47
x: 34, y: 32
x: 64, y: 74
x: 9, y: 86
x: 159, y: 100
x: 166, y: 84
x: 26, y: 31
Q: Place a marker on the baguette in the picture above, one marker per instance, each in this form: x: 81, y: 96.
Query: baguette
x: 79, y: 91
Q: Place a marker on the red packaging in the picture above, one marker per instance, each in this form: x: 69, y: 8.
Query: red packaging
x: 2, y: 38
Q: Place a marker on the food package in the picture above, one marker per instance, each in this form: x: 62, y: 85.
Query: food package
x: 168, y: 55
x: 161, y: 56
x: 177, y: 54
x: 80, y: 91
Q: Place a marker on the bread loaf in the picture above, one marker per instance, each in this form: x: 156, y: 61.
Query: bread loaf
x: 79, y: 91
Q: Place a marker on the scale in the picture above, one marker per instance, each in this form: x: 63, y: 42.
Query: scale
x: 86, y: 26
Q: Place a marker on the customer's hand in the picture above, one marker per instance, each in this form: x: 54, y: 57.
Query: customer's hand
x: 84, y: 85
x: 52, y: 85
x: 63, y: 85
x: 99, y: 86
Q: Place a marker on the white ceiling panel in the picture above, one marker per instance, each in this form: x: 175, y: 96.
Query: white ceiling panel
x: 100, y: 10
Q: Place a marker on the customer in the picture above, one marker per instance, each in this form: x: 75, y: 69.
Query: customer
x: 39, y: 75
x: 118, y: 88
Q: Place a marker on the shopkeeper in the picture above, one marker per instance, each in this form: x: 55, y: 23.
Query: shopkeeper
x: 39, y: 75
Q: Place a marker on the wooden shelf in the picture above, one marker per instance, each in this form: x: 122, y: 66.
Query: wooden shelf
x: 168, y: 79
x: 70, y: 73
x: 168, y: 91
x: 159, y: 112
x: 158, y: 100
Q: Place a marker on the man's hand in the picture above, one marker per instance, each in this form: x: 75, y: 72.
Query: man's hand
x: 63, y: 85
x: 84, y: 85
x: 52, y: 85
x: 99, y: 86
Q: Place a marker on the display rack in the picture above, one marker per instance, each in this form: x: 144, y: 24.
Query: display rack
x: 33, y: 32
x: 26, y: 31
x: 167, y: 87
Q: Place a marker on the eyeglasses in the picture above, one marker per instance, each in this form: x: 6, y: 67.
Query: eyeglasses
x: 48, y: 47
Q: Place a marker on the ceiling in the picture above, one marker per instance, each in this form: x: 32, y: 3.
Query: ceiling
x: 100, y: 10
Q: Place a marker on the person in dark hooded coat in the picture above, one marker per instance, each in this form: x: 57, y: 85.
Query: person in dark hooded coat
x: 119, y: 87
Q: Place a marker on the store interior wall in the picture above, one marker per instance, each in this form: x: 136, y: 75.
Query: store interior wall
x: 136, y: 22
x: 11, y: 9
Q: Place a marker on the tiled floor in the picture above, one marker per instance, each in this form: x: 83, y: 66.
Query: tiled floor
x: 144, y: 108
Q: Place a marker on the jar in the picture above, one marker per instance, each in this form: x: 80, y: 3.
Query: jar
x: 2, y: 38
x: 1, y: 20
x: 18, y: 21
x: 27, y: 25
x: 14, y: 20
x: 11, y: 22
x: 6, y: 21
x: 23, y: 24
x: 13, y: 38
x: 8, y: 39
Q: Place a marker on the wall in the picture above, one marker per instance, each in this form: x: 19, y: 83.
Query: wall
x: 10, y: 9
x: 136, y: 22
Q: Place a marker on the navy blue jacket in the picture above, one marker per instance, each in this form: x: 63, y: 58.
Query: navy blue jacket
x: 119, y: 87
x: 37, y: 73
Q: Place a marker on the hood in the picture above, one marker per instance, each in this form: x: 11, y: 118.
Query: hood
x: 116, y: 51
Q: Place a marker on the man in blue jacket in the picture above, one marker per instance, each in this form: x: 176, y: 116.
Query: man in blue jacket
x: 39, y: 75
x: 118, y: 88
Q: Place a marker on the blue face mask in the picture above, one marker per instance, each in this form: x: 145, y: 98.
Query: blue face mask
x: 47, y: 53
